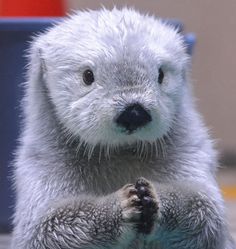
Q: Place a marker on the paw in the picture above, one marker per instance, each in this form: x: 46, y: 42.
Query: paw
x: 149, y: 205
x: 130, y: 203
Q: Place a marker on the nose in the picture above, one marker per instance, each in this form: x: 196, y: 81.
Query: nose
x: 134, y: 116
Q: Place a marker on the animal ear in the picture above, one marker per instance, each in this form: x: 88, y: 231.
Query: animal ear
x: 190, y: 41
x: 43, y: 66
x: 37, y: 68
x: 36, y: 73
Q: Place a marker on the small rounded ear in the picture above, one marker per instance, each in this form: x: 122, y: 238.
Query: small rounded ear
x: 42, y: 61
x: 37, y: 69
x: 37, y: 65
x: 190, y: 41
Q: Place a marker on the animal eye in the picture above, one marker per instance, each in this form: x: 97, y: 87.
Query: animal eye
x: 160, y: 76
x: 88, y: 77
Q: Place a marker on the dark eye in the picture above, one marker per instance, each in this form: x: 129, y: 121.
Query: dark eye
x: 160, y: 76
x: 88, y: 77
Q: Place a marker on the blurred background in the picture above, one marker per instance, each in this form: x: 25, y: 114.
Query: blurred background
x: 213, y: 75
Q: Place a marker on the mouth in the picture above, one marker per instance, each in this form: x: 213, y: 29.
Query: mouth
x: 131, y: 131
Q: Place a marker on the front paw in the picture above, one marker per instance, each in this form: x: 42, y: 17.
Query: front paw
x: 149, y: 205
x: 130, y: 203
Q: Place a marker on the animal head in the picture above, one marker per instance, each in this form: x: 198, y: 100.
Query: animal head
x: 114, y: 77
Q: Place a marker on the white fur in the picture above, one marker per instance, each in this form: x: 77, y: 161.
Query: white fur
x: 110, y: 44
x: 72, y: 151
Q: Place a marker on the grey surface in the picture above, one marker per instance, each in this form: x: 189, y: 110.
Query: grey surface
x: 4, y: 241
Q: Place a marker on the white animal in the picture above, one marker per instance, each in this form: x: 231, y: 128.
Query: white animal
x: 113, y: 153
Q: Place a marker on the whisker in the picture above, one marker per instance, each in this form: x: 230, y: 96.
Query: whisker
x: 107, y: 152
x: 156, y: 149
x: 90, y: 152
x: 100, y: 154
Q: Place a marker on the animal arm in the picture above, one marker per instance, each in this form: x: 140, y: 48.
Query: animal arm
x: 85, y: 223
x: 189, y: 218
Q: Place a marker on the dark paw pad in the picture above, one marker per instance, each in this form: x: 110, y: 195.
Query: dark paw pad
x: 149, y: 206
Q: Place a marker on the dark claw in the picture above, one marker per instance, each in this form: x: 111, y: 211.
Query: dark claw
x: 148, y: 206
x: 146, y: 201
x: 141, y: 182
x: 142, y: 191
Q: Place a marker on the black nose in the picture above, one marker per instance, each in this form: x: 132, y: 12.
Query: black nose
x: 133, y: 117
